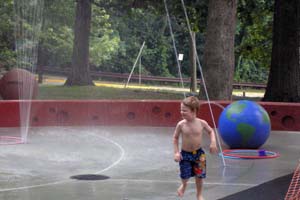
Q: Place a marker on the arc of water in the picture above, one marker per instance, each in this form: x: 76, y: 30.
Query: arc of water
x: 200, y: 68
x: 174, y: 46
x: 28, y: 23
x: 203, y: 81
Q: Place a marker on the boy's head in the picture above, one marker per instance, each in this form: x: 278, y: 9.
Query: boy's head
x: 192, y: 103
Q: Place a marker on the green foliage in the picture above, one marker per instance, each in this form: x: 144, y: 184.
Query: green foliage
x: 119, y: 28
x: 7, y: 58
x: 56, y: 41
x: 134, y: 27
x: 104, y: 41
x: 254, y: 39
x: 58, y: 44
x: 197, y: 11
x: 58, y: 35
x: 7, y: 55
x: 197, y: 15
x: 248, y: 71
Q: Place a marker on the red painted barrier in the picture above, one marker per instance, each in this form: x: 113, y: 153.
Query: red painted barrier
x: 284, y: 116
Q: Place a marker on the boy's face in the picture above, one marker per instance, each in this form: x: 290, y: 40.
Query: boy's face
x: 186, y: 112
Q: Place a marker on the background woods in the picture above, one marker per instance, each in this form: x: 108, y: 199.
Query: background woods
x: 252, y: 44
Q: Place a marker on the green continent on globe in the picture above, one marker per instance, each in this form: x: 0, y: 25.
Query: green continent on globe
x: 246, y: 132
x: 235, y: 108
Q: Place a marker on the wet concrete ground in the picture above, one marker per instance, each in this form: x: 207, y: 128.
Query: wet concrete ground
x: 137, y: 160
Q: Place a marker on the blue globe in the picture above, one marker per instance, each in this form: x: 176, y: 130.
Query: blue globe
x: 244, y: 124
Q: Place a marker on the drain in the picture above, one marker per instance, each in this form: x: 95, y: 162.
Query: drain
x: 90, y: 177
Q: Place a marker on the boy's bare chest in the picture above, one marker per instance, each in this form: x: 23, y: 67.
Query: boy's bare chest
x: 192, y: 130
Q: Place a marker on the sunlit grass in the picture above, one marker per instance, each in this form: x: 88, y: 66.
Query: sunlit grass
x: 53, y: 89
x: 117, y: 91
x: 104, y: 92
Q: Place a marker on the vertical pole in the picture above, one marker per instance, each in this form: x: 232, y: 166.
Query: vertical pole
x: 193, y: 63
x: 134, y: 65
x: 140, y: 71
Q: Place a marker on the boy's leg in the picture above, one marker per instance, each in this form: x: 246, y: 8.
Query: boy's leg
x: 186, y: 171
x: 200, y: 173
x: 182, y: 187
x: 199, y: 183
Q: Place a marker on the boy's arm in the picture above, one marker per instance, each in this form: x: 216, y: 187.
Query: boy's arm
x: 176, y: 143
x: 213, y: 145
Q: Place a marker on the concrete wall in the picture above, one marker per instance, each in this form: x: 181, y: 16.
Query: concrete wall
x: 284, y: 116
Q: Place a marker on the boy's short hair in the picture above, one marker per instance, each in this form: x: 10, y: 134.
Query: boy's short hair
x: 191, y: 102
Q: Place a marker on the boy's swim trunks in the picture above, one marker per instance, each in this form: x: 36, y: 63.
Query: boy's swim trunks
x: 193, y: 164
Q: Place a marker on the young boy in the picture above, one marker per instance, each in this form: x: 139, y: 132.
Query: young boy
x: 191, y: 159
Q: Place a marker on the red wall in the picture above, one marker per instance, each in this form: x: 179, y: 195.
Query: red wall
x: 284, y: 116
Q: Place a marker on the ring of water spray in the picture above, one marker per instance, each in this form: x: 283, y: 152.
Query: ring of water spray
x: 115, y: 163
x: 9, y: 140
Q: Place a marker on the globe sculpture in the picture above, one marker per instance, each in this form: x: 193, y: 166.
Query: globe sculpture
x: 244, y: 125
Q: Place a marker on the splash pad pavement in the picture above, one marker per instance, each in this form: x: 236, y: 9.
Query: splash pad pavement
x: 136, y: 161
x: 123, y: 150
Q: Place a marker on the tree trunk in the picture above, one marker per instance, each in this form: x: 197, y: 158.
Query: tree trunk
x: 218, y: 58
x: 80, y: 59
x: 41, y: 61
x: 284, y: 77
x: 193, y: 63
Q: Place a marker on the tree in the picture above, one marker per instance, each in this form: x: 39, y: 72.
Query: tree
x: 7, y: 55
x: 80, y: 59
x: 284, y: 77
x: 218, y: 60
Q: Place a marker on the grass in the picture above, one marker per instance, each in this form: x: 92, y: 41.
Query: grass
x: 56, y: 92
x: 102, y: 92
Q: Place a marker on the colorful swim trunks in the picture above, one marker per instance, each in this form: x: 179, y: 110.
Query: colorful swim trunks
x: 193, y: 164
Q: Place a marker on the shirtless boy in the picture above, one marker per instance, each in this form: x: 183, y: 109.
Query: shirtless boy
x: 191, y: 158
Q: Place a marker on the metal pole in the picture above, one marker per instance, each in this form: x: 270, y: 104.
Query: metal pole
x: 141, y: 49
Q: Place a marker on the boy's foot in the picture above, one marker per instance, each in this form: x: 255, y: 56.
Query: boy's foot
x: 200, y: 198
x: 180, y: 191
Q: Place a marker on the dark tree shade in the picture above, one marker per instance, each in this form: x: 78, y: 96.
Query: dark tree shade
x: 218, y: 59
x: 284, y: 78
